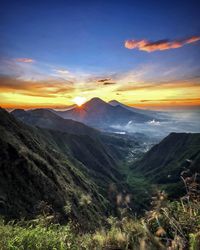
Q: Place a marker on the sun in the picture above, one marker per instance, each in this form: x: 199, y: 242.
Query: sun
x: 79, y: 100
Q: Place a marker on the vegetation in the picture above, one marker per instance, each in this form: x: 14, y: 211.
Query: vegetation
x: 59, y: 168
x: 68, y: 191
x: 164, y: 162
x: 168, y: 225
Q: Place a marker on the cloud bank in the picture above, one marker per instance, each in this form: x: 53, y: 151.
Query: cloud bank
x: 159, y: 45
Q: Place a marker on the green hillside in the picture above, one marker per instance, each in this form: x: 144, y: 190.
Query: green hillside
x: 75, y: 191
x: 59, y: 168
x: 175, y: 155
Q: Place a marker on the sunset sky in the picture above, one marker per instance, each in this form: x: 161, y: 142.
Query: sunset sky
x: 142, y: 53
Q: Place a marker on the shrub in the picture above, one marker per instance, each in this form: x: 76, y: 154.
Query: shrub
x: 14, y: 237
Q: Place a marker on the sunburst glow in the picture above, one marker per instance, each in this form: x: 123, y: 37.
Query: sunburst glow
x: 79, y: 100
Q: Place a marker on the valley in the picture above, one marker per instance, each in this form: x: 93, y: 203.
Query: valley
x: 68, y: 171
x: 99, y: 125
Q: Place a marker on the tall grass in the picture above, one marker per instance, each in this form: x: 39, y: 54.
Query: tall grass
x: 170, y: 225
x: 14, y: 237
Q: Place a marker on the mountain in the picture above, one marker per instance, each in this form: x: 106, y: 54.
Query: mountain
x: 60, y: 168
x: 99, y: 114
x: 164, y: 162
x: 155, y: 114
x: 45, y: 118
x: 83, y: 171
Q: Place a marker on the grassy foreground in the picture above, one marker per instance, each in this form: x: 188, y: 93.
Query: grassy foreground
x: 168, y: 225
x: 175, y: 226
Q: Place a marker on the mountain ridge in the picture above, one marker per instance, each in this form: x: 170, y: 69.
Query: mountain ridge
x: 97, y: 113
x: 164, y: 162
x: 48, y: 119
x: 154, y: 113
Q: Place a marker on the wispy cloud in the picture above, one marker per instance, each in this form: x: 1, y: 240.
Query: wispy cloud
x: 176, y: 84
x: 41, y: 84
x: 62, y: 71
x: 44, y: 88
x: 25, y: 60
x: 72, y: 75
x: 166, y: 44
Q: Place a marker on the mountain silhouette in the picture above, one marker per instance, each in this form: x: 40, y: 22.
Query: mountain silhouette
x: 100, y: 114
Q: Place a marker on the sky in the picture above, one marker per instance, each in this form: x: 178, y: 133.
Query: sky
x: 141, y: 53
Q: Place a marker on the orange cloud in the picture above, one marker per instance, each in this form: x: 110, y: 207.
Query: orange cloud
x: 43, y: 88
x: 167, y: 103
x: 182, y: 100
x: 160, y: 45
x: 159, y: 85
x: 25, y: 60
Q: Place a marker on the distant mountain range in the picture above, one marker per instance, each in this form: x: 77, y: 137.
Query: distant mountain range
x: 95, y: 113
x: 45, y: 118
x: 152, y: 113
x: 99, y: 114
